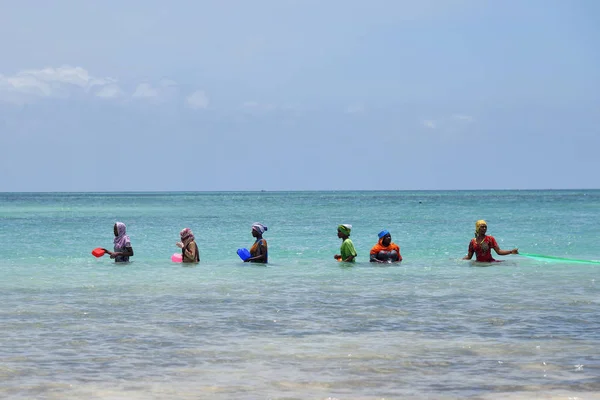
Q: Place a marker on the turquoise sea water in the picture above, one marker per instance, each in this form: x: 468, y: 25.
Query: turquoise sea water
x: 304, y: 326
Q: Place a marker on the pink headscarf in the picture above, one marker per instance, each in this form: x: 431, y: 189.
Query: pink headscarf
x: 186, y: 236
x: 121, y: 240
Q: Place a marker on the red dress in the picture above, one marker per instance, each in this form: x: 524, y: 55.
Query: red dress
x: 483, y: 250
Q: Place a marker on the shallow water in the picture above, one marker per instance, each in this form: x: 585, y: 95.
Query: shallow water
x: 304, y: 326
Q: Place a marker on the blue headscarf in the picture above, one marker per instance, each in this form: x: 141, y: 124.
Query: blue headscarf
x: 383, y: 233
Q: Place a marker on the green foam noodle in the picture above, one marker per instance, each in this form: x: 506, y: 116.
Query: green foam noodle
x: 558, y: 259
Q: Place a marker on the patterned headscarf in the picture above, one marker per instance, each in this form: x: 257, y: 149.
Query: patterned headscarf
x: 121, y: 239
x: 260, y: 228
x: 186, y: 236
x: 478, y: 225
x: 345, y: 229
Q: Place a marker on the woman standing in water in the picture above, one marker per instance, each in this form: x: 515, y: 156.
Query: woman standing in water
x: 259, y: 251
x: 188, y: 246
x: 347, y: 250
x: 122, y: 243
x: 481, y: 245
x: 385, y: 251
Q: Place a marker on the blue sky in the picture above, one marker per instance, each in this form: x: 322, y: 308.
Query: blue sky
x: 299, y: 95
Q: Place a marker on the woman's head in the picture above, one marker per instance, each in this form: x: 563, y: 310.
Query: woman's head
x: 121, y: 238
x: 258, y: 229
x: 186, y: 235
x: 119, y: 229
x: 385, y: 237
x: 480, y: 227
x: 344, y: 230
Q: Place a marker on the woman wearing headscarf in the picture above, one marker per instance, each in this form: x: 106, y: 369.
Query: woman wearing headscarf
x: 385, y: 251
x: 122, y: 243
x: 347, y: 250
x: 188, y: 246
x: 481, y: 245
x: 259, y: 251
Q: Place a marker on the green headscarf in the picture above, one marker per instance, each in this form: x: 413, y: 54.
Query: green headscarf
x: 345, y: 229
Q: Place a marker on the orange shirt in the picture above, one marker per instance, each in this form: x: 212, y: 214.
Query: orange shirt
x: 381, y: 248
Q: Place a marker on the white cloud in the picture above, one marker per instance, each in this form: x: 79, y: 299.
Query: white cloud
x: 461, y: 117
x: 165, y: 90
x: 109, y: 92
x: 76, y: 76
x: 145, y: 90
x: 30, y: 85
x: 197, y: 100
x: 428, y: 123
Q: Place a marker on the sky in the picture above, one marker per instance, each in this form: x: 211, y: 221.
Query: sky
x: 299, y: 95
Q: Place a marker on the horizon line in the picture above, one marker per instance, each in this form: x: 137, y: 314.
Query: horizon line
x: 297, y: 190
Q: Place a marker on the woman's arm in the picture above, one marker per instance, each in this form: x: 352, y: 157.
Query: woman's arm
x: 260, y: 257
x: 127, y: 253
x: 348, y: 248
x: 501, y: 252
x: 261, y: 254
x: 190, y: 251
x: 373, y: 258
x: 470, y: 252
x: 399, y: 255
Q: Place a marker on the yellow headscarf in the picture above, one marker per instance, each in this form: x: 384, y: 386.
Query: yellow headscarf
x: 478, y: 225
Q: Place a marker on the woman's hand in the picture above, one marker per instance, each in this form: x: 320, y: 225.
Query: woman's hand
x: 514, y: 251
x: 179, y: 244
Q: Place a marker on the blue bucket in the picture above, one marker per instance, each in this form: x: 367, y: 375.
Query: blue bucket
x: 244, y: 254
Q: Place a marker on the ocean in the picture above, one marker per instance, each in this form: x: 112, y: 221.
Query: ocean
x: 303, y: 326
